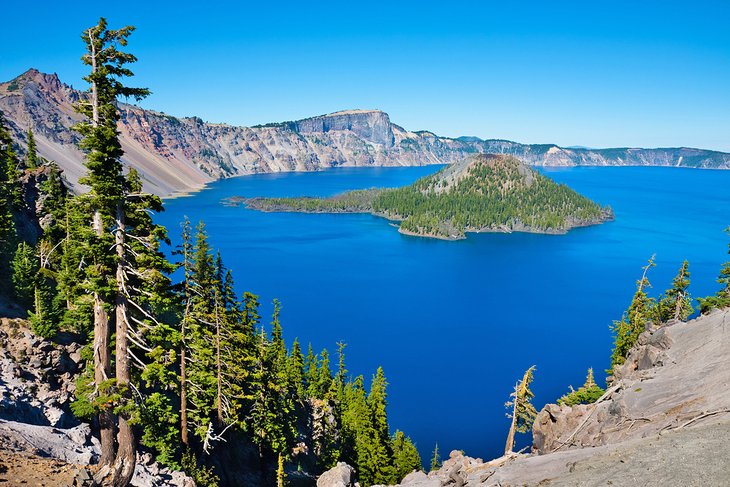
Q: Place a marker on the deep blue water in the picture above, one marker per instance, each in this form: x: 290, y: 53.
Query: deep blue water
x: 455, y: 324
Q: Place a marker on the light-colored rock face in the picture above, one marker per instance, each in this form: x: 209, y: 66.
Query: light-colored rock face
x: 182, y: 154
x: 37, y: 382
x: 666, y: 423
x: 675, y: 375
x: 36, y: 377
x: 341, y: 475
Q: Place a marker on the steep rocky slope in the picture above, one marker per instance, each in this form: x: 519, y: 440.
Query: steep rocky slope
x: 41, y: 442
x: 664, y: 422
x: 181, y: 154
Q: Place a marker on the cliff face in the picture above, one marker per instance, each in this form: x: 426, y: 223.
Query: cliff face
x: 181, y: 154
x: 665, y: 421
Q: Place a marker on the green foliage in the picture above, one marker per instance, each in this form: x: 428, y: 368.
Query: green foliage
x: 406, y: 458
x: 588, y: 393
x: 31, y: 158
x: 496, y: 193
x: 25, y: 268
x: 634, y: 320
x: 47, y: 309
x: 523, y: 412
x: 8, y: 238
x: 160, y: 432
x: 435, y: 459
x: 676, y: 303
x: 280, y: 473
x: 202, y: 475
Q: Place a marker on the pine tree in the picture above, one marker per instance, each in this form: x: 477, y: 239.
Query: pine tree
x: 75, y: 256
x: 634, y: 320
x: 45, y: 316
x: 108, y: 273
x: 435, y: 459
x: 200, y: 337
x: 295, y: 370
x: 588, y: 393
x: 187, y: 293
x: 31, y: 158
x: 311, y: 372
x: 405, y: 457
x: 523, y: 412
x: 382, y: 455
x: 358, y: 432
x: 25, y: 268
x: 676, y: 303
x: 150, y: 308
x: 10, y: 171
x: 8, y: 241
x: 323, y: 381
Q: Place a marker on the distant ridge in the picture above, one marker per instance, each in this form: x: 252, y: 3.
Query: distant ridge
x: 175, y: 155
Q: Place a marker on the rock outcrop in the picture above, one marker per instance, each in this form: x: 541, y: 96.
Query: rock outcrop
x: 181, y: 154
x: 341, y: 475
x: 41, y: 442
x: 675, y: 376
x: 664, y: 422
x: 36, y: 377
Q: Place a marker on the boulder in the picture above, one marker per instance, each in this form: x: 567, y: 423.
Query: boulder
x: 341, y: 475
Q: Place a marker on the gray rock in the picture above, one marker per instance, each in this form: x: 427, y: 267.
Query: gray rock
x: 341, y: 475
x: 414, y: 477
x: 73, y: 445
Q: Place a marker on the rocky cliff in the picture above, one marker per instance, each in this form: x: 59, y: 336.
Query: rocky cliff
x: 41, y: 442
x: 665, y: 421
x: 181, y: 154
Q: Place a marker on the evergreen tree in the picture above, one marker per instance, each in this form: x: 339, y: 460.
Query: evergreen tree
x: 523, y: 412
x: 381, y: 453
x: 588, y: 393
x: 45, y: 316
x: 405, y: 457
x: 75, y: 257
x: 108, y: 273
x: 295, y: 370
x: 324, y: 376
x: 25, y: 268
x: 31, y: 158
x: 634, y: 320
x: 676, y: 303
x: 435, y: 459
x: 311, y: 372
x: 8, y: 243
x: 358, y: 433
x: 10, y: 171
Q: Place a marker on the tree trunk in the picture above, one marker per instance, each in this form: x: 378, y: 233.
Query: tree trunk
x: 218, y: 360
x: 184, y: 380
x: 102, y: 363
x: 126, y: 452
x: 511, y: 434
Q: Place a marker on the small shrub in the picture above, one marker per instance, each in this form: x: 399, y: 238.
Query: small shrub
x: 588, y: 393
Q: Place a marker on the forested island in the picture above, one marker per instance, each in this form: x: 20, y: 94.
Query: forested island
x: 482, y: 193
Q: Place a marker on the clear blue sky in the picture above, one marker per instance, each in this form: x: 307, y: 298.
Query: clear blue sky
x: 597, y: 74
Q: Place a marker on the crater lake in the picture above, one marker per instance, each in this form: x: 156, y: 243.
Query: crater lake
x: 456, y: 323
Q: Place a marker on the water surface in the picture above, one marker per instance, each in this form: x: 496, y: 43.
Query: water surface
x: 455, y: 324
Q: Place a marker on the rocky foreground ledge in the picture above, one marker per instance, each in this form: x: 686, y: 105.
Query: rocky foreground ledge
x: 665, y: 421
x: 41, y: 442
